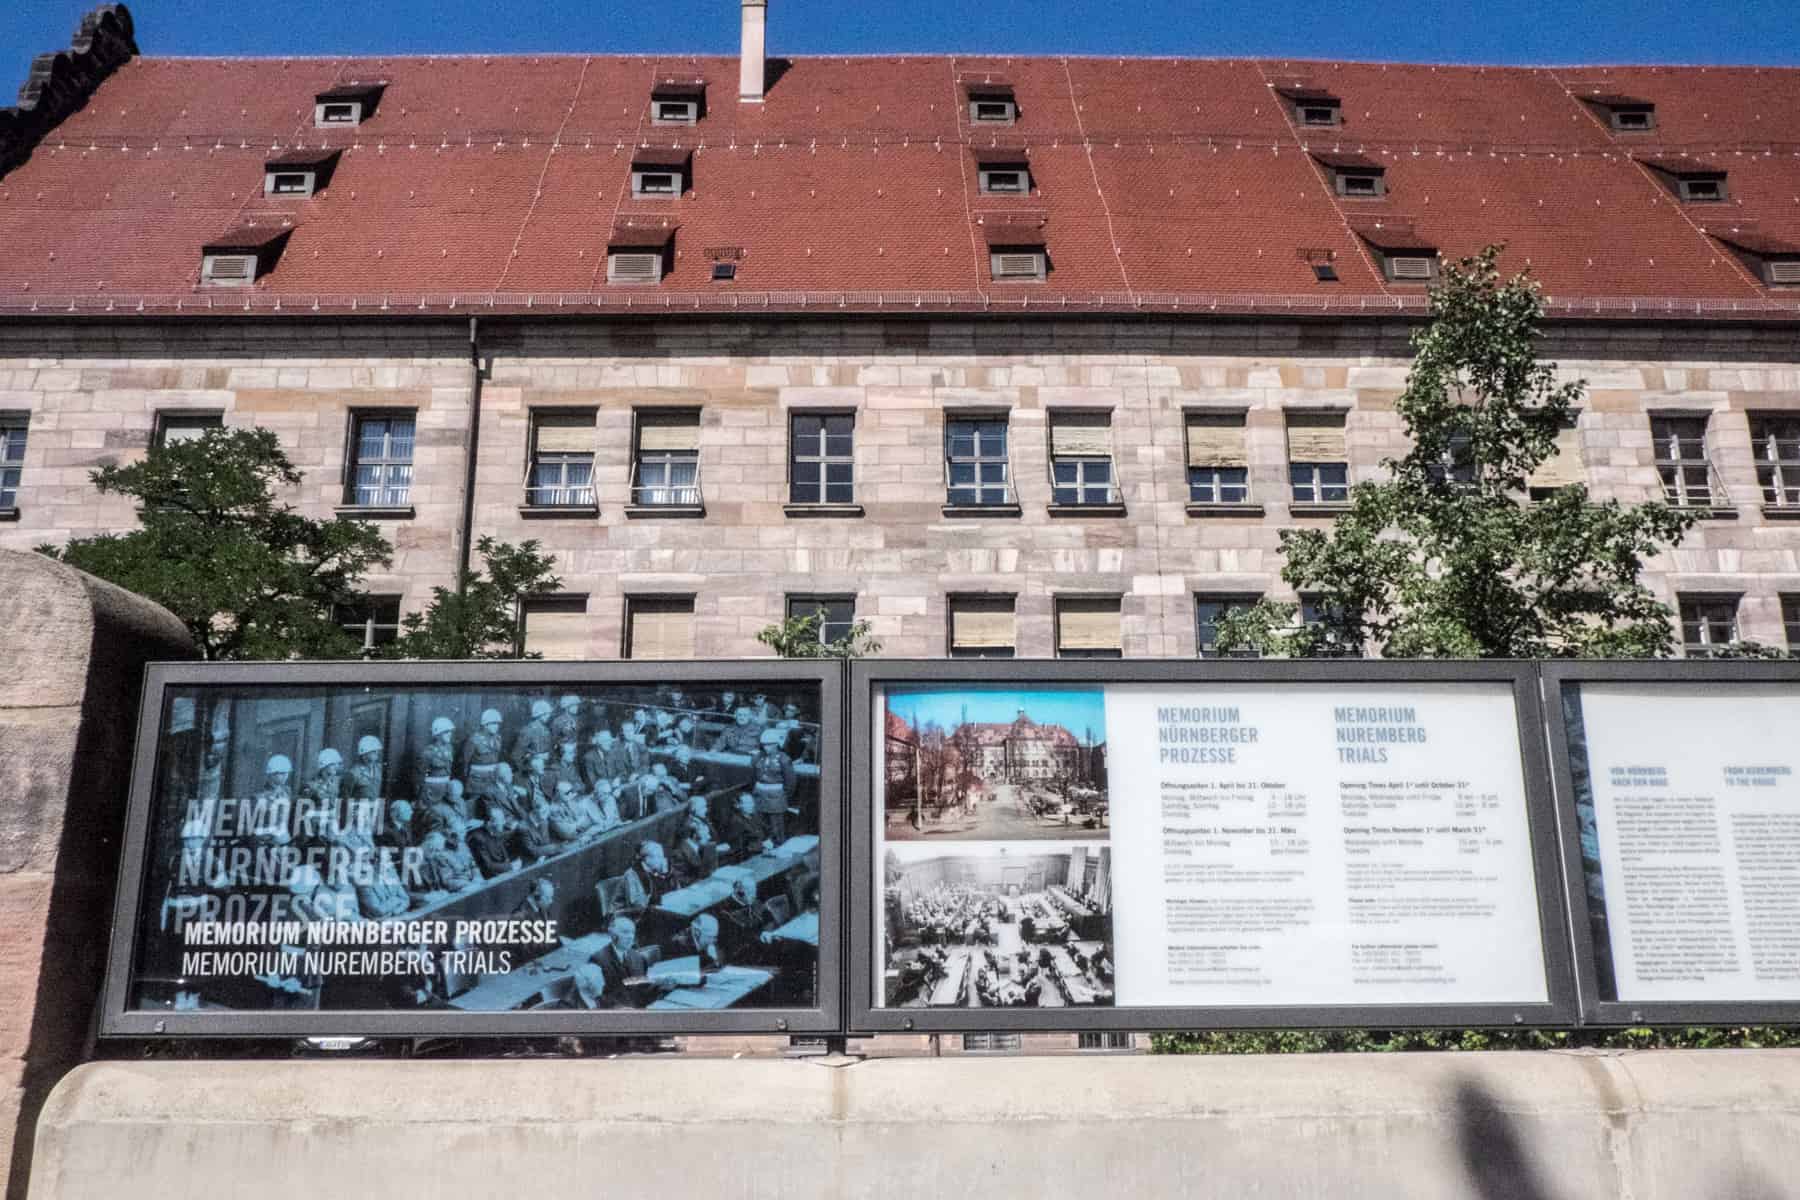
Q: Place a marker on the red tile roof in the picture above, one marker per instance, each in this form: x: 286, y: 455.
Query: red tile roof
x: 1158, y: 185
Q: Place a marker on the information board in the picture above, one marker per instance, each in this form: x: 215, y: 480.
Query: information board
x: 517, y: 848
x: 1138, y: 845
x: 1685, y: 786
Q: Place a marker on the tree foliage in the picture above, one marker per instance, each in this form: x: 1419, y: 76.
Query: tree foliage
x: 803, y: 637
x: 249, y: 577
x: 1449, y: 557
x: 484, y: 619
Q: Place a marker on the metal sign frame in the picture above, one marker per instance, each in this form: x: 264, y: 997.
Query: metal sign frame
x: 1557, y: 675
x: 866, y: 1016
x: 119, y: 1019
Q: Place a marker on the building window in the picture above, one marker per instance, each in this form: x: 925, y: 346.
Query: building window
x: 1088, y: 628
x: 1018, y: 263
x: 1081, y: 466
x: 176, y: 427
x: 339, y: 114
x: 556, y: 627
x: 1318, y: 470
x: 839, y: 614
x: 381, y: 466
x: 1776, y: 443
x: 12, y: 456
x: 1680, y: 449
x: 1006, y: 179
x: 655, y: 183
x: 1103, y: 1041
x: 562, y: 461
x: 659, y: 627
x: 1217, y: 467
x: 982, y: 627
x: 1790, y: 623
x: 1335, y: 637
x: 975, y: 452
x: 1708, y: 624
x: 1564, y: 468
x: 821, y: 459
x: 1208, y: 612
x: 665, y: 471
x: 675, y: 112
x: 1456, y: 468
x: 990, y: 1043
x: 372, y: 621
x: 634, y: 266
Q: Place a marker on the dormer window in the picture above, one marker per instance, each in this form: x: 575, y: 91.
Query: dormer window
x: 1354, y: 176
x: 1002, y: 173
x: 1404, y: 256
x: 1312, y: 106
x: 638, y: 251
x: 1016, y: 250
x: 1690, y: 180
x: 677, y: 101
x: 1625, y: 114
x: 347, y: 104
x: 659, y: 172
x: 1774, y: 261
x: 1017, y: 262
x: 242, y: 256
x: 991, y: 102
x: 298, y: 174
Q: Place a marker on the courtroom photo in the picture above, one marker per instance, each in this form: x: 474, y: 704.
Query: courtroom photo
x: 978, y: 764
x: 483, y: 849
x: 997, y: 926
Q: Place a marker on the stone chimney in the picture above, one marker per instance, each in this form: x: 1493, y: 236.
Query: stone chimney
x: 752, y: 56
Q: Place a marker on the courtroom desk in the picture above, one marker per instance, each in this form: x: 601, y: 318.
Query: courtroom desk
x: 1069, y: 903
x: 949, y: 990
x: 694, y: 899
x: 729, y: 776
x: 803, y: 929
x: 503, y: 993
x: 724, y: 988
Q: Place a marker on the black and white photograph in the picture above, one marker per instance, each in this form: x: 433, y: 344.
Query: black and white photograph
x: 589, y: 847
x: 997, y: 926
x: 989, y: 765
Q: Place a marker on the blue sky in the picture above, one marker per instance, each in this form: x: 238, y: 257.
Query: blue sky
x: 1079, y: 710
x: 1498, y: 31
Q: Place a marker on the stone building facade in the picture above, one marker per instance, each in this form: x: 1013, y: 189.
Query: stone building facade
x: 89, y: 395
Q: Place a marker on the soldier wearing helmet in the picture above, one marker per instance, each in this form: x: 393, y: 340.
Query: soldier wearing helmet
x: 436, y: 762
x: 565, y: 726
x: 365, y: 776
x: 328, y: 780
x: 534, y: 738
x: 274, y: 803
x: 775, y: 783
x: 481, y: 753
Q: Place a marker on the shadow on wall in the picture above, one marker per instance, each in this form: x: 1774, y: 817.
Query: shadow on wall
x: 1494, y: 1150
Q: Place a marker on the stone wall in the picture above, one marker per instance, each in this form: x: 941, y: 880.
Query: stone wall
x: 93, y: 393
x: 1687, y: 1125
x: 71, y: 665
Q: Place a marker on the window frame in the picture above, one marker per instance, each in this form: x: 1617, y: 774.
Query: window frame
x: 824, y: 460
x: 1790, y: 621
x: 1350, y: 184
x: 1704, y: 622
x: 563, y: 459
x: 1315, y: 114
x: 1007, y: 602
x: 1631, y: 118
x: 681, y: 497
x: 1063, y: 603
x: 992, y: 110
x: 991, y: 1043
x: 1316, y: 483
x: 375, y: 632
x: 637, y: 603
x: 986, y: 175
x: 166, y: 419
x: 354, y: 461
x: 978, y: 460
x: 209, y: 266
x: 1227, y: 602
x: 660, y: 115
x: 15, y: 438
x: 335, y: 113
x: 615, y: 258
x: 1040, y: 264
x: 272, y: 184
x: 1682, y: 493
x: 1105, y: 1041
x: 805, y: 604
x: 1776, y: 473
x: 640, y: 180
x: 1312, y: 612
x: 1685, y: 188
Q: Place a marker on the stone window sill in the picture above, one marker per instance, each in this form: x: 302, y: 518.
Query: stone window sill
x: 1086, y: 510
x: 1710, y: 512
x: 1770, y: 512
x: 550, y: 512
x: 375, y: 512
x: 822, y: 510
x: 1317, y: 510
x: 978, y: 511
x: 688, y: 512
x: 1224, y: 510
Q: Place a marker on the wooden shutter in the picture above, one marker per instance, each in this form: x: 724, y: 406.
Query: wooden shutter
x: 565, y: 433
x: 557, y: 627
x: 1018, y: 266
x: 981, y: 624
x: 1410, y: 267
x: 629, y: 267
x: 662, y: 629
x: 1081, y: 435
x: 1316, y: 437
x: 232, y: 266
x: 1216, y: 439
x: 664, y: 431
x: 1088, y: 625
x: 1563, y: 468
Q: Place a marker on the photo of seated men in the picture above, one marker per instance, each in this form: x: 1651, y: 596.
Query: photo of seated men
x: 669, y: 833
x: 998, y: 926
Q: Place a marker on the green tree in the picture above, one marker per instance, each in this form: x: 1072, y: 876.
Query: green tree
x: 1449, y: 557
x: 803, y: 637
x: 485, y: 617
x: 249, y: 577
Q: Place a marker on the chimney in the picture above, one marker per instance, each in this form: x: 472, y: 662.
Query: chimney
x: 751, y: 52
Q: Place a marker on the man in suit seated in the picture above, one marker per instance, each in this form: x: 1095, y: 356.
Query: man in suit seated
x: 745, y: 923
x: 699, y: 940
x: 742, y: 829
x: 620, y: 960
x: 650, y: 878
x: 587, y: 987
x: 695, y: 852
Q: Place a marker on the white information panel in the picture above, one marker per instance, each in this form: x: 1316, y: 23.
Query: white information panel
x: 1696, y: 811
x: 1151, y: 845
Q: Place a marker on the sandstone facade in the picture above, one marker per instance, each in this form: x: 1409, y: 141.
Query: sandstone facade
x: 93, y: 394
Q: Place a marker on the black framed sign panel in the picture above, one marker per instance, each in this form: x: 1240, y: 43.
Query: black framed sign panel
x: 1119, y: 844
x: 1680, y: 788
x: 482, y: 848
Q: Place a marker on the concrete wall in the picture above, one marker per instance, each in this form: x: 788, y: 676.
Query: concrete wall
x: 93, y: 393
x: 71, y: 665
x: 1521, y: 1126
